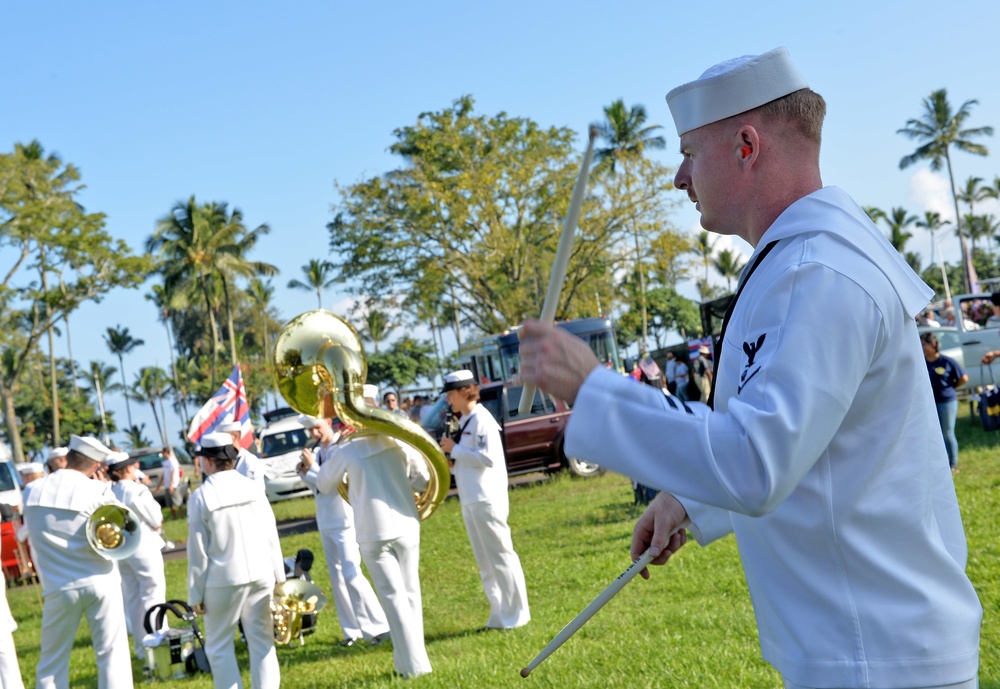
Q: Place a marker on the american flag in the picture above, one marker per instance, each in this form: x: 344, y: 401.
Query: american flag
x: 228, y: 404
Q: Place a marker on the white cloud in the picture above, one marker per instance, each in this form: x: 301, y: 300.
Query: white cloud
x: 929, y: 191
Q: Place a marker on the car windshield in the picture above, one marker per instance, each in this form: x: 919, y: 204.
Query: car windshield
x: 153, y: 461
x: 7, y: 481
x: 274, y: 444
x: 434, y: 419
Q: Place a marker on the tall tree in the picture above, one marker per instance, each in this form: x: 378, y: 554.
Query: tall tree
x: 626, y: 137
x: 376, y: 326
x: 318, y: 276
x: 939, y: 129
x: 480, y: 201
x: 728, y: 263
x: 703, y: 247
x: 932, y: 223
x: 260, y: 294
x: 165, y: 303
x: 98, y: 377
x: 121, y: 342
x: 150, y: 385
x: 897, y: 221
x: 43, y: 228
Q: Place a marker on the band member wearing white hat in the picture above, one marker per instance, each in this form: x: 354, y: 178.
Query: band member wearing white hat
x: 358, y: 610
x: 234, y: 562
x: 383, y: 476
x: 481, y: 477
x: 247, y: 463
x: 822, y: 453
x: 56, y: 459
x: 10, y: 671
x: 76, y: 581
x: 30, y: 471
x: 143, y: 582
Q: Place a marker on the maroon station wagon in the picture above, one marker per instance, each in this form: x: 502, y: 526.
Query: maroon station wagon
x: 531, y: 443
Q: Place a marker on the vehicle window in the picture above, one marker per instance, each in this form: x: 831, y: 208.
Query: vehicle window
x: 275, y: 444
x: 948, y: 339
x: 148, y: 462
x: 493, y: 407
x: 7, y: 479
x: 542, y: 404
x: 434, y: 419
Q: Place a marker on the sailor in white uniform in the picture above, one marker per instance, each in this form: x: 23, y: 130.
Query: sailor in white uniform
x: 480, y: 469
x: 823, y: 453
x: 143, y: 582
x: 358, y: 609
x: 76, y: 581
x: 10, y: 671
x: 382, y: 478
x: 234, y: 562
x: 247, y: 463
x: 56, y: 459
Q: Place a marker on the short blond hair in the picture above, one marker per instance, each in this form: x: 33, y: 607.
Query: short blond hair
x: 805, y: 109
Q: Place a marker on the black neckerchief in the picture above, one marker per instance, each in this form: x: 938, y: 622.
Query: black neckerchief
x: 729, y: 314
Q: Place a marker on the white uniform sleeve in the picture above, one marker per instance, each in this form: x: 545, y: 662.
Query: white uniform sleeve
x: 309, y: 478
x: 331, y: 474
x: 417, y: 472
x: 779, y: 421
x: 147, y: 508
x: 197, y: 550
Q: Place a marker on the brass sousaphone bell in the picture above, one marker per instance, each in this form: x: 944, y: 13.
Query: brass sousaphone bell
x: 320, y: 370
x: 293, y: 599
x: 113, y: 531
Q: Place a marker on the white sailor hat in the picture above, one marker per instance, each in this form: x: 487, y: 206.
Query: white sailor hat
x: 30, y: 468
x: 732, y: 87
x: 58, y: 452
x: 119, y: 460
x: 309, y: 421
x: 217, y: 446
x: 230, y: 427
x: 91, y: 448
x: 458, y: 379
x: 370, y: 390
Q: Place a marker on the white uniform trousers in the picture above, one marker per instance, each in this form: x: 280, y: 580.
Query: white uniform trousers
x: 105, y: 611
x: 499, y: 566
x: 143, y: 586
x: 10, y: 671
x: 394, y: 566
x: 225, y: 607
x: 970, y: 684
x: 358, y: 608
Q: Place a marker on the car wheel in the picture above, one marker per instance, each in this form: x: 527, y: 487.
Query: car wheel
x: 582, y: 469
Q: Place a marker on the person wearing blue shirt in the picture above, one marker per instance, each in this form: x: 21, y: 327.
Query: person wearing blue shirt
x: 946, y: 376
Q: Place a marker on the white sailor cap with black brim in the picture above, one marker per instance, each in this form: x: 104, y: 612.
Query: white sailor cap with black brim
x: 119, y: 460
x: 217, y: 446
x: 458, y: 379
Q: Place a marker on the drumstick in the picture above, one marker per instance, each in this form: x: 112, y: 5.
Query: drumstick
x: 561, y: 261
x: 588, y: 612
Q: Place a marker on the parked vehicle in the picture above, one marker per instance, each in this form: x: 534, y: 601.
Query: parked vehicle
x: 10, y: 487
x: 531, y: 443
x: 281, y: 445
x: 151, y: 464
x: 975, y: 339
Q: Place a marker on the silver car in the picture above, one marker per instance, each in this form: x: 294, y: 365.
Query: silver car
x: 281, y: 445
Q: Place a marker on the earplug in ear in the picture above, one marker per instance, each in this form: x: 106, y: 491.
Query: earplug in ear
x: 745, y: 151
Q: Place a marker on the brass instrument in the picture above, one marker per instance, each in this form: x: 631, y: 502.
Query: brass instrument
x: 113, y: 531
x: 293, y: 599
x: 320, y: 370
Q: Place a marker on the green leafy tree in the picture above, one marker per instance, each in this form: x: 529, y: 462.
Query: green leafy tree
x: 939, y: 129
x: 897, y: 221
x: 98, y: 378
x: 261, y: 293
x: 44, y: 230
x: 166, y: 303
x: 932, y: 223
x: 729, y: 264
x: 150, y: 385
x: 703, y: 248
x: 135, y: 437
x: 318, y: 276
x: 376, y: 326
x: 406, y: 361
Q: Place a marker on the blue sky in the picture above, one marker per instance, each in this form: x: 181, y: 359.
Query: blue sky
x: 267, y: 105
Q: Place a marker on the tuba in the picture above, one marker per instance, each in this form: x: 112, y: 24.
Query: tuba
x: 291, y: 601
x: 113, y: 531
x: 320, y: 370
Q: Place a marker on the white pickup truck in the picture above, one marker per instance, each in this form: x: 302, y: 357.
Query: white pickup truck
x: 977, y: 340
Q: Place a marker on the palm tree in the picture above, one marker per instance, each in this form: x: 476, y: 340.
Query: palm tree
x: 150, y: 384
x: 260, y: 293
x: 120, y: 342
x: 932, y: 223
x: 98, y: 379
x: 703, y: 247
x: 973, y: 192
x: 898, y: 220
x: 626, y: 136
x: 729, y: 263
x: 939, y: 130
x: 376, y: 326
x: 165, y: 302
x: 316, y: 273
x: 135, y: 438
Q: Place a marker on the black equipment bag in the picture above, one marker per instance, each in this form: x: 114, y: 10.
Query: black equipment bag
x: 989, y: 404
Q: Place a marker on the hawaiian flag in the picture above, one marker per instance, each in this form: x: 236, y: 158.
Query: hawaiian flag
x: 228, y: 404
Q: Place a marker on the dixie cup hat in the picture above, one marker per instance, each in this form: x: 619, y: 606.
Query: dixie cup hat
x: 458, y: 379
x: 91, y: 448
x: 119, y: 460
x: 218, y: 446
x: 230, y: 427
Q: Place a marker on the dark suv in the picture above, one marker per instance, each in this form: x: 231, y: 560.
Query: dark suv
x: 531, y: 443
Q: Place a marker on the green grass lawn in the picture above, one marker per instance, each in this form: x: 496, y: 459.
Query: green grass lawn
x: 691, y: 625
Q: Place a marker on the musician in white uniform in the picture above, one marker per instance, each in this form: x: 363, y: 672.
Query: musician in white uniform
x: 56, y: 459
x: 823, y: 453
x: 76, y: 581
x: 143, y: 581
x: 247, y: 463
x: 358, y: 609
x: 383, y: 476
x: 234, y: 562
x: 10, y: 671
x: 480, y: 471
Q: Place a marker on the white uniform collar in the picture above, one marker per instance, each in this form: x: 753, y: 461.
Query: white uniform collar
x: 228, y: 488
x: 841, y: 216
